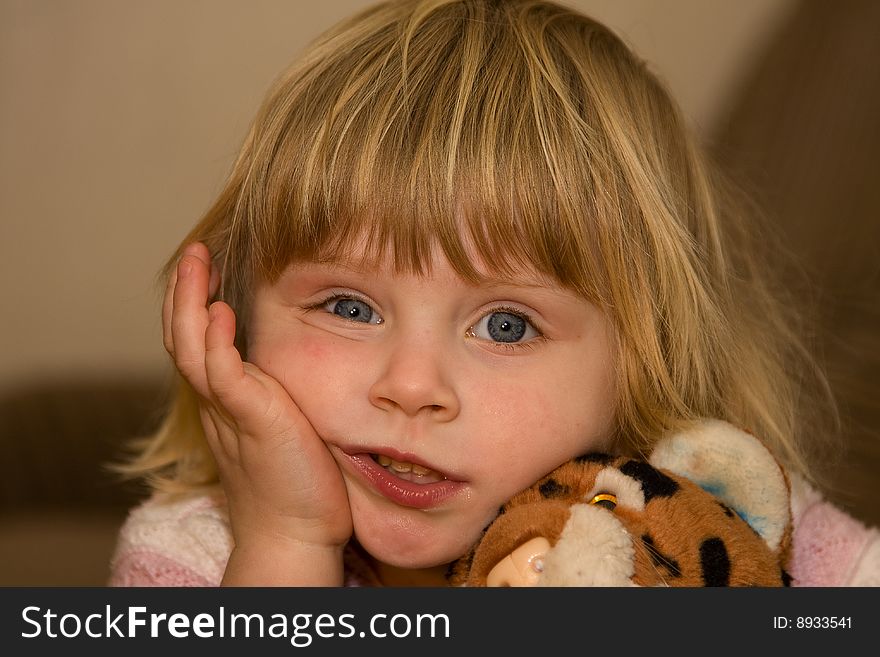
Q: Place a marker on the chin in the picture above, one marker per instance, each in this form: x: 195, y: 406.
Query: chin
x: 405, y: 552
x: 410, y: 547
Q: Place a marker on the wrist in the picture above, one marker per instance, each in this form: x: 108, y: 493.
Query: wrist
x: 278, y: 561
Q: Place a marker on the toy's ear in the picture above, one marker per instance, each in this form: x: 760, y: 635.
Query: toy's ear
x: 735, y: 467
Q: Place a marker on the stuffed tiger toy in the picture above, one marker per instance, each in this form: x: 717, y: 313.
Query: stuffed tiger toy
x: 710, y: 507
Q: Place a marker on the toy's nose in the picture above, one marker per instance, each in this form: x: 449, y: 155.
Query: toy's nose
x: 522, y: 567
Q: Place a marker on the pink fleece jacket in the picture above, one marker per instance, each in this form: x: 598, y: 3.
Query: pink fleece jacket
x: 187, y: 543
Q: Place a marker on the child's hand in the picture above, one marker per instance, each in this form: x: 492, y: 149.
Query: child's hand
x: 287, y: 499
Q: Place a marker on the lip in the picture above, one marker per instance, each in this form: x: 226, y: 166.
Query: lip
x: 404, y: 493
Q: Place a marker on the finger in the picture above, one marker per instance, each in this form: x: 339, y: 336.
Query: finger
x: 232, y: 382
x: 223, y: 365
x: 200, y: 251
x: 189, y: 316
x: 257, y: 403
x: 219, y: 433
x: 167, y: 309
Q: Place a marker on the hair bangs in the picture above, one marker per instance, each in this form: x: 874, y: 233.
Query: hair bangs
x: 428, y: 143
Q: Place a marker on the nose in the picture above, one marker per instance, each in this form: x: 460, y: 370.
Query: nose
x: 415, y: 380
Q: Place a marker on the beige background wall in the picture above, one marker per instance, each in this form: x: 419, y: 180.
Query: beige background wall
x: 119, y: 119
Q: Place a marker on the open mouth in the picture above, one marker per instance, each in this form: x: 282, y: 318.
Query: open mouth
x: 403, y: 481
x: 412, y: 472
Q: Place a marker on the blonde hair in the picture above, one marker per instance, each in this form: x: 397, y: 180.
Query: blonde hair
x: 530, y: 134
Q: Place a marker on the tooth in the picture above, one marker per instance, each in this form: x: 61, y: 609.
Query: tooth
x: 383, y: 460
x: 419, y: 470
x: 397, y: 466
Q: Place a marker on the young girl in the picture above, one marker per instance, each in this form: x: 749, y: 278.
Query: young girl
x: 464, y: 242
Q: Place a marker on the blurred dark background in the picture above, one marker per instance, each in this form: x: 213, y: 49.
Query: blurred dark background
x: 60, y: 507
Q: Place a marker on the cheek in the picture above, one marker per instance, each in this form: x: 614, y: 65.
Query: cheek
x: 315, y: 352
x: 585, y: 394
x: 319, y: 374
x: 510, y: 422
x: 284, y: 359
x: 550, y: 416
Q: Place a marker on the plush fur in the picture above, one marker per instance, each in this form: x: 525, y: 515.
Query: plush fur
x: 709, y: 508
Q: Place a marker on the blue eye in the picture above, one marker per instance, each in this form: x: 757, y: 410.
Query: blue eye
x: 505, y: 327
x: 353, y: 310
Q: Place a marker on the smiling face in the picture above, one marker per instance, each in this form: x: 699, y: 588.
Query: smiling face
x: 439, y: 399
